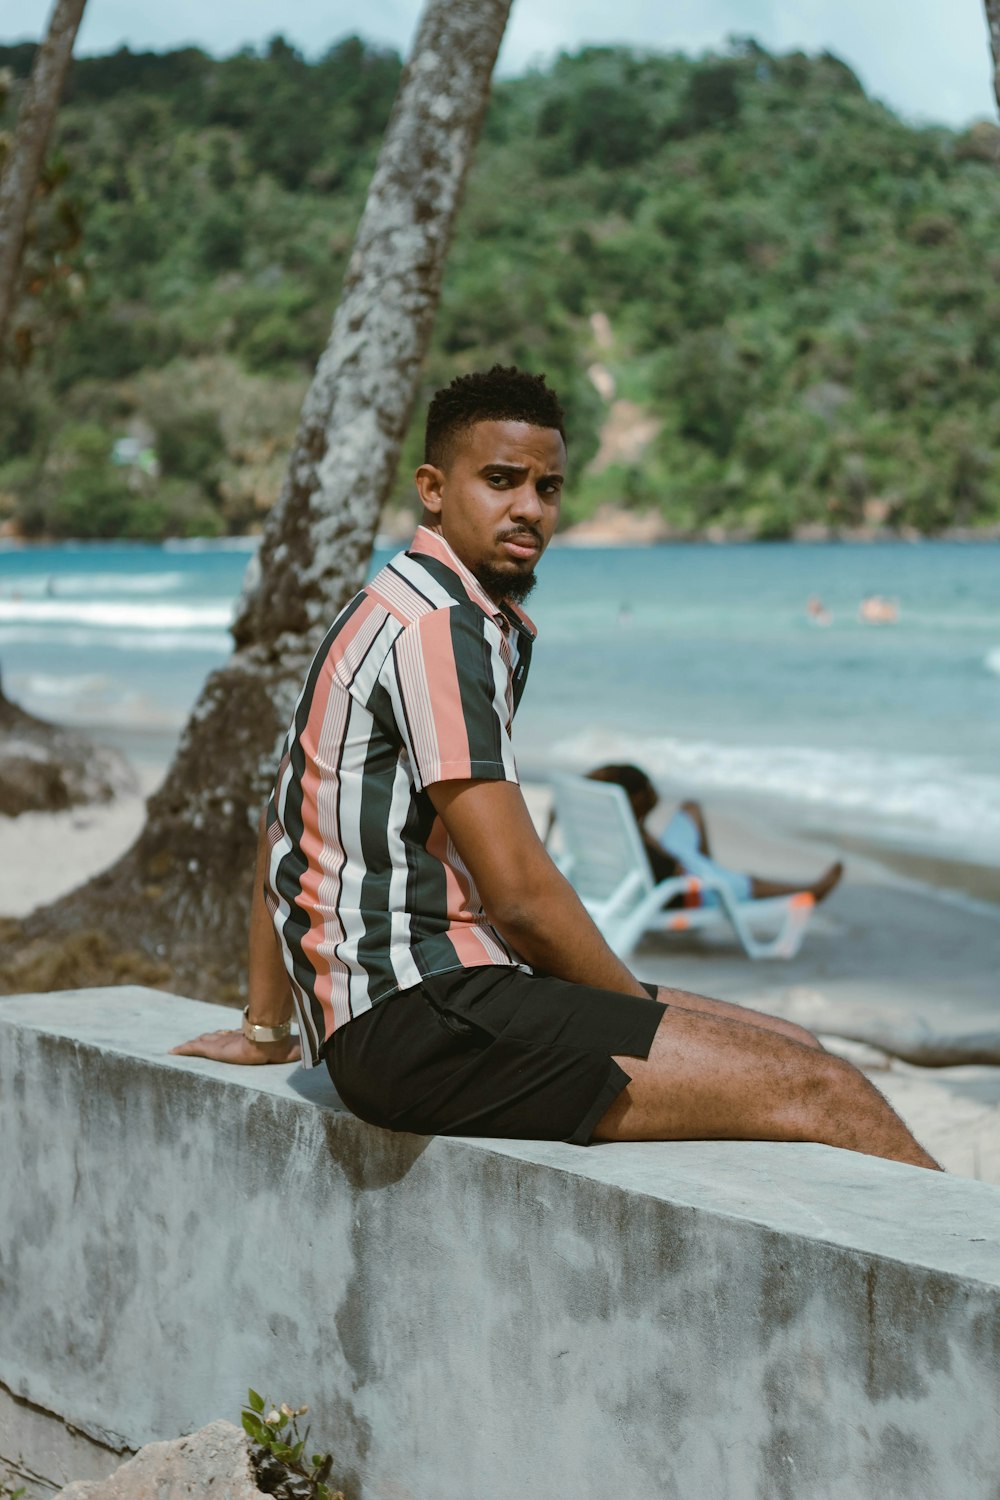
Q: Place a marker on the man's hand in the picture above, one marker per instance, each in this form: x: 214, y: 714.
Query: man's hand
x: 268, y: 991
x: 233, y: 1047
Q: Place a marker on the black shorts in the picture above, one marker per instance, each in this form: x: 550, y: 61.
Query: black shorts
x: 492, y: 1051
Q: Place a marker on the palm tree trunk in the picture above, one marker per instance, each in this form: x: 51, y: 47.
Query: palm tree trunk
x: 35, y: 119
x: 993, y: 22
x: 181, y: 894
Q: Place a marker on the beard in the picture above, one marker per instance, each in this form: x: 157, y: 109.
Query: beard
x: 500, y: 583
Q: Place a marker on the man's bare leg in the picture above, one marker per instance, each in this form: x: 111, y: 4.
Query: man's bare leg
x: 725, y: 1010
x: 819, y: 888
x: 760, y: 886
x: 710, y: 1078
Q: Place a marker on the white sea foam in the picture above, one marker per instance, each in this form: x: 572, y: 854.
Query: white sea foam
x: 215, y: 642
x: 991, y: 661
x: 922, y: 794
x: 62, y: 585
x: 45, y: 685
x: 116, y: 583
x: 114, y: 614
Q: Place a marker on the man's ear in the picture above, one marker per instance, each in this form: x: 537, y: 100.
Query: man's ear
x: 429, y: 481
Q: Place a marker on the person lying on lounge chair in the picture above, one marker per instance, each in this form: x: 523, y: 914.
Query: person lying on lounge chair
x: 684, y: 849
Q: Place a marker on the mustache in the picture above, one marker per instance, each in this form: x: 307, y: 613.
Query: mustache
x: 514, y: 533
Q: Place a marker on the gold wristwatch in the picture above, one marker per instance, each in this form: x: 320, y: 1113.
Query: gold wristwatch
x: 258, y: 1034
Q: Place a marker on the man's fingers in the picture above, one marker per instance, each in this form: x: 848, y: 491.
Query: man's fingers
x: 206, y: 1045
x: 232, y: 1047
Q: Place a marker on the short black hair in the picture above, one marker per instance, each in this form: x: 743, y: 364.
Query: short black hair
x: 502, y: 394
x: 629, y: 777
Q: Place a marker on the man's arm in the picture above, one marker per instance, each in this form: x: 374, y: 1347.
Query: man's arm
x: 526, y: 898
x: 269, y: 995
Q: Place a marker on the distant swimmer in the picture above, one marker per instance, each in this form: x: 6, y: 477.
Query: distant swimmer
x: 817, y: 611
x: 875, y: 609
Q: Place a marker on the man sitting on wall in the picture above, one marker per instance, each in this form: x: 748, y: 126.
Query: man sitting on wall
x: 436, y: 959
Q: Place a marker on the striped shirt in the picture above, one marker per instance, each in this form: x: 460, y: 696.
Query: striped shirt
x: 416, y: 682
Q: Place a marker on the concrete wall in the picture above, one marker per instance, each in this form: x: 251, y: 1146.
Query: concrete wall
x: 475, y: 1320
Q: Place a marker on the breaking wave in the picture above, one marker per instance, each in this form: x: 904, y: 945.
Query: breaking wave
x: 115, y: 614
x: 918, y: 793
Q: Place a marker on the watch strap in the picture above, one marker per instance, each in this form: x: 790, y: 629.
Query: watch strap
x: 259, y: 1034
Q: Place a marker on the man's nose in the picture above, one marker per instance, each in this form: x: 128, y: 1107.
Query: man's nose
x: 526, y: 504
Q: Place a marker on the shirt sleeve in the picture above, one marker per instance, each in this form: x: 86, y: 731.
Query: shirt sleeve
x: 449, y: 687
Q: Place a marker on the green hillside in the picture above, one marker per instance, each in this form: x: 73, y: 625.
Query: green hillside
x: 778, y: 303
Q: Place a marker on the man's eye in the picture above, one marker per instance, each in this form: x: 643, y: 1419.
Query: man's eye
x: 496, y: 480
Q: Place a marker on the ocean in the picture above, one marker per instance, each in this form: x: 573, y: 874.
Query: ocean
x: 701, y: 663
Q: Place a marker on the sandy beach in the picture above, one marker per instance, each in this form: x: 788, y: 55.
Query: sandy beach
x: 891, y: 964
x: 44, y: 855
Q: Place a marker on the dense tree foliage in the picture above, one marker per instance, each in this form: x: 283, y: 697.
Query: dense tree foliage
x: 789, y: 292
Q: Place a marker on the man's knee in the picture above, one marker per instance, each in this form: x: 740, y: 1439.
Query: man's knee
x: 825, y: 1088
x: 797, y: 1033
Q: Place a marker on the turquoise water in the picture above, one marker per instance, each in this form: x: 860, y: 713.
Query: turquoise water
x: 699, y: 662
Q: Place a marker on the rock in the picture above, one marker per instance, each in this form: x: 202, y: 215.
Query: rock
x: 602, y: 380
x: 869, y: 1059
x: 600, y: 327
x: 889, y: 1032
x: 611, y: 527
x: 811, y: 531
x: 213, y: 1461
x: 44, y: 768
x: 626, y: 432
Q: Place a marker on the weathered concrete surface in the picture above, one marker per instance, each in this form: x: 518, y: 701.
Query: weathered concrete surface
x: 40, y: 1453
x: 470, y: 1319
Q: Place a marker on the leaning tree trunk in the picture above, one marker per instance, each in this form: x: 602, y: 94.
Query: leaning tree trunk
x: 993, y: 22
x: 23, y: 167
x: 181, y: 894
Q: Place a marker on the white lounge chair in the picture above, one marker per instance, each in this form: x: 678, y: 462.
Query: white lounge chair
x: 603, y: 857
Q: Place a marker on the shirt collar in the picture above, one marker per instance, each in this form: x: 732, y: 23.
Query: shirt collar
x: 429, y: 543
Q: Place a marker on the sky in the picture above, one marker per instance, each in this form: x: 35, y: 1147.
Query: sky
x: 927, y: 59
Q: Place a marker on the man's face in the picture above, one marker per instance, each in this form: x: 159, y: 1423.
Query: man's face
x: 496, y: 501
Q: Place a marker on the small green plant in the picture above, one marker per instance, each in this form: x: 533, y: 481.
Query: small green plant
x: 277, y: 1452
